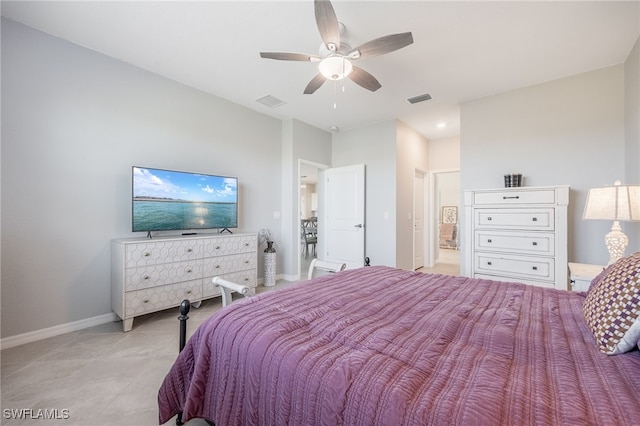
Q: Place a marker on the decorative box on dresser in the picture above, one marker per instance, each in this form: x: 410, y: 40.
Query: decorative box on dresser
x: 149, y: 275
x: 517, y: 234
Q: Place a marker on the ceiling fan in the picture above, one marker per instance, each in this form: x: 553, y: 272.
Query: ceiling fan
x: 334, y: 61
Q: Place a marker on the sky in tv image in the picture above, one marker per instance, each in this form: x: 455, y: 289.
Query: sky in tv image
x: 167, y: 184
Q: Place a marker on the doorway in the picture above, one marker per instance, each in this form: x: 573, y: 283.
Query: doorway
x: 444, y: 241
x: 309, y: 206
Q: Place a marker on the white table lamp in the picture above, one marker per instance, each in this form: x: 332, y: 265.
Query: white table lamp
x: 618, y: 202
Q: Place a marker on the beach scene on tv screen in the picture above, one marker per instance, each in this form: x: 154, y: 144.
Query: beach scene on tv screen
x: 171, y: 200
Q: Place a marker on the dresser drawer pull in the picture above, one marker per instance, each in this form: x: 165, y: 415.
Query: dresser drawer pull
x: 217, y: 247
x: 246, y: 262
x: 217, y: 266
x: 535, y: 243
x: 246, y: 244
x: 535, y: 219
x: 489, y: 218
x: 189, y: 271
x: 246, y: 278
x: 489, y: 241
x: 145, y: 300
x: 515, y: 197
x: 489, y: 263
x: 535, y: 268
x: 147, y: 254
x: 188, y: 291
x: 146, y: 277
x: 189, y: 250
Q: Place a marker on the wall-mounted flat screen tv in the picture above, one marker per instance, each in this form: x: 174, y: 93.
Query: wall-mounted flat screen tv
x: 165, y: 200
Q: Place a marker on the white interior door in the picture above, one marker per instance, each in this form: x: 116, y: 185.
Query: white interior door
x: 344, y: 201
x: 418, y: 221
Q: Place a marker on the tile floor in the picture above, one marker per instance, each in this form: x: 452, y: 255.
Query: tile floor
x: 448, y: 263
x: 100, y: 375
x: 103, y: 376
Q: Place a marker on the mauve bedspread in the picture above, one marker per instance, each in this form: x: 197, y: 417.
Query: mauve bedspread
x: 381, y: 346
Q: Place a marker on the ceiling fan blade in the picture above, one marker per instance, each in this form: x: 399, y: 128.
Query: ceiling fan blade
x: 314, y: 84
x: 364, y: 79
x: 382, y: 45
x: 327, y: 22
x: 286, y: 56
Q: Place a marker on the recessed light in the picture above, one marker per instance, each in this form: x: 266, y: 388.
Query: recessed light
x: 442, y: 125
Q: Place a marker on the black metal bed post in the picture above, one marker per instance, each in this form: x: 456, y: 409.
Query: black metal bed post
x: 185, y: 306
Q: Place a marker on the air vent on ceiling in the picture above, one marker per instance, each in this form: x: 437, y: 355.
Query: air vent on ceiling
x: 419, y: 98
x: 270, y: 101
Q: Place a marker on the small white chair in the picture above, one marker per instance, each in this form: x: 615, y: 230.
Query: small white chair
x: 227, y: 287
x: 325, y: 266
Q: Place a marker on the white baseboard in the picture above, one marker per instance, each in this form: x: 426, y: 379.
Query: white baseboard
x: 45, y: 333
x: 290, y: 277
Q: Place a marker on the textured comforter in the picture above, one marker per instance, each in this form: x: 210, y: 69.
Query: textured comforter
x: 381, y: 346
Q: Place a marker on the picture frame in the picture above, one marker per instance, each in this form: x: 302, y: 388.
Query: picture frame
x: 449, y: 214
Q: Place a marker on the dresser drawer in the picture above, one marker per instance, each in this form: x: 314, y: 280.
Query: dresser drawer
x: 537, y: 243
x: 233, y: 262
x: 156, y: 275
x: 527, y: 267
x: 247, y: 278
x: 515, y: 196
x: 521, y: 219
x: 152, y: 299
x: 230, y: 244
x: 151, y: 253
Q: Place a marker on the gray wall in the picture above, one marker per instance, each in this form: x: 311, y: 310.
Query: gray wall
x: 632, y: 134
x: 391, y: 152
x: 411, y: 155
x: 73, y: 123
x: 564, y: 132
x: 375, y: 147
x: 300, y: 142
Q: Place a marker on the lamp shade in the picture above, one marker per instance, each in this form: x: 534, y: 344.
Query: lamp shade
x: 618, y: 202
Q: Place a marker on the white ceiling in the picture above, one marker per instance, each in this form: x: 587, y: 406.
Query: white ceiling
x: 462, y: 50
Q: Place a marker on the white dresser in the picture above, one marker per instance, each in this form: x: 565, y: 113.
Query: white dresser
x: 517, y: 234
x: 149, y: 275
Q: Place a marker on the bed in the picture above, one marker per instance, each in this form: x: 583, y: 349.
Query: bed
x: 382, y: 346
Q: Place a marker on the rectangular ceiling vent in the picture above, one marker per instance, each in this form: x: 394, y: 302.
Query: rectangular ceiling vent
x: 270, y: 101
x: 419, y: 98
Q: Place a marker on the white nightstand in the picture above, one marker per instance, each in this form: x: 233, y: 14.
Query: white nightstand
x: 582, y: 274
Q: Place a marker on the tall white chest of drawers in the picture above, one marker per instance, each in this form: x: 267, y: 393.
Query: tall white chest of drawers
x: 149, y: 275
x: 517, y: 234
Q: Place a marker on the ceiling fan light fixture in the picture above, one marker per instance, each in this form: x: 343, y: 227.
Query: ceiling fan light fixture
x: 335, y: 67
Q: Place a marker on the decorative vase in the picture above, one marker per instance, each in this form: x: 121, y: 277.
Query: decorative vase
x: 269, y: 265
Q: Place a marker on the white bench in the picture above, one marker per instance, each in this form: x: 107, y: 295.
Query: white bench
x: 227, y: 287
x: 324, y: 265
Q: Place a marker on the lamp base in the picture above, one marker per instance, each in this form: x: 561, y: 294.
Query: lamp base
x: 616, y: 242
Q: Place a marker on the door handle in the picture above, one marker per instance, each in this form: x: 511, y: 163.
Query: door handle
x: 358, y: 225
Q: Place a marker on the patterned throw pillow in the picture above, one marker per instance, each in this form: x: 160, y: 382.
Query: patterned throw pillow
x: 612, y: 307
x: 598, y: 278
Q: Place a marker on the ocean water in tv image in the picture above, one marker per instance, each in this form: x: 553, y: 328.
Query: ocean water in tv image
x: 177, y: 215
